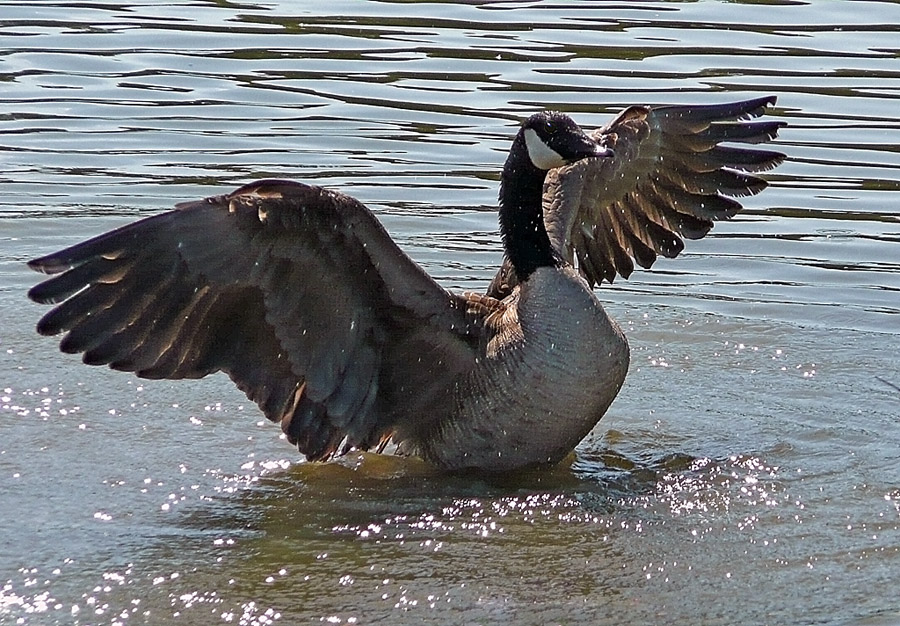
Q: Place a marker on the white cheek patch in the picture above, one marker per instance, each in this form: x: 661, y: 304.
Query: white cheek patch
x: 543, y: 156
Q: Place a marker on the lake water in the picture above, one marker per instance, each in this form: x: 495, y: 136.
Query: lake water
x: 749, y: 472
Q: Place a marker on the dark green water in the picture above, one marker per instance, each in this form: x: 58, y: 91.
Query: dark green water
x: 749, y: 472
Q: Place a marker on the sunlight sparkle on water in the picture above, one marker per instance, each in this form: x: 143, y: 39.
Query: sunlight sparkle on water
x: 709, y: 487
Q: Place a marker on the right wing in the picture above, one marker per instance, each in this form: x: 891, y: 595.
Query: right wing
x: 669, y: 178
x: 296, y: 292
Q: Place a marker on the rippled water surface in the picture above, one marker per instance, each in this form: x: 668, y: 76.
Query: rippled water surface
x: 749, y: 472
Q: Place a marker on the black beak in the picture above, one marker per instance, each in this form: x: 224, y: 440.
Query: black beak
x: 585, y: 147
x: 602, y: 151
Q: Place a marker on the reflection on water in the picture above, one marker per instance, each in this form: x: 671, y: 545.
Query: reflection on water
x: 748, y: 470
x: 369, y: 539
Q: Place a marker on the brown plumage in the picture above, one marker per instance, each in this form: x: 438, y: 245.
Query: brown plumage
x: 669, y: 179
x: 302, y: 298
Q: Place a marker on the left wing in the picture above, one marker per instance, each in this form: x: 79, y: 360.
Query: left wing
x: 296, y: 292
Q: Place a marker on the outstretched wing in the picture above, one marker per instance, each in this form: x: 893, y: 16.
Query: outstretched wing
x: 669, y: 179
x: 294, y: 291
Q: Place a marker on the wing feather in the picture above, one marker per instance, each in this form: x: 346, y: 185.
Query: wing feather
x: 669, y: 179
x: 296, y: 292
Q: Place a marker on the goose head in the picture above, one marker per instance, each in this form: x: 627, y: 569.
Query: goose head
x: 545, y: 141
x: 553, y: 139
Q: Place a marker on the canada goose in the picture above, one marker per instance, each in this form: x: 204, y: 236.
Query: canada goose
x: 303, y: 299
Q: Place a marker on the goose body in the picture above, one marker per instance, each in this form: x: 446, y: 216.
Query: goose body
x: 302, y: 298
x: 547, y: 378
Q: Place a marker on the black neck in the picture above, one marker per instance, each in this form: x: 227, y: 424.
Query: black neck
x: 522, y: 228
